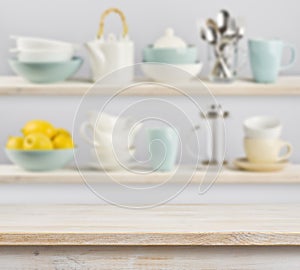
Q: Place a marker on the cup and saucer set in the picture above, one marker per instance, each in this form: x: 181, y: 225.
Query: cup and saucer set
x: 265, y: 151
x: 108, y: 151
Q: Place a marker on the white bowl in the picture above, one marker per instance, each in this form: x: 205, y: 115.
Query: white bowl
x: 30, y: 43
x: 44, y: 56
x: 262, y: 127
x: 171, y: 73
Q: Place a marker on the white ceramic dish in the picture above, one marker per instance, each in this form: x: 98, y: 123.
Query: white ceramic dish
x: 31, y: 43
x: 262, y: 127
x: 44, y: 56
x: 171, y: 73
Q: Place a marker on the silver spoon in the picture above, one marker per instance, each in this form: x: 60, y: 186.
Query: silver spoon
x: 210, y: 35
x: 223, y: 20
x: 211, y: 23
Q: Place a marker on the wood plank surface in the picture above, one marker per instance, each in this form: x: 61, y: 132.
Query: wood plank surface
x: 200, y: 225
x: 167, y: 258
x: 10, y: 174
x: 12, y: 85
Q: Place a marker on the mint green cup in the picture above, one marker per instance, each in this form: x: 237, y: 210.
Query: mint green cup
x: 265, y: 59
x: 163, y: 146
x: 175, y: 56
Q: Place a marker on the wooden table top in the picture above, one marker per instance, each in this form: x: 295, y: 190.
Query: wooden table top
x: 102, y: 225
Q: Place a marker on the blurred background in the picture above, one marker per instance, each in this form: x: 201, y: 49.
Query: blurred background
x: 77, y: 21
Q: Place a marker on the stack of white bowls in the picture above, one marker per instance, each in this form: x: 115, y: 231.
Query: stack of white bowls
x: 38, y: 50
x: 44, y: 60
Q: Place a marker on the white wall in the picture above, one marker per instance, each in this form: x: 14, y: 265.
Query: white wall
x: 77, y: 21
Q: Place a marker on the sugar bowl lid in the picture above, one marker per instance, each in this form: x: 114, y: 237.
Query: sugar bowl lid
x: 169, y: 40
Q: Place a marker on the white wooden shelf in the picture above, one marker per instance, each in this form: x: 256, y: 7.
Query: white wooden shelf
x: 12, y: 85
x: 168, y: 225
x: 10, y: 174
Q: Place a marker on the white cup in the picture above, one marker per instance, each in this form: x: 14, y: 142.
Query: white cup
x: 96, y: 138
x: 104, y: 129
x: 102, y: 121
x: 262, y: 127
x: 104, y: 159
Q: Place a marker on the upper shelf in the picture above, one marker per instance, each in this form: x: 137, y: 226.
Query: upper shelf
x: 285, y: 86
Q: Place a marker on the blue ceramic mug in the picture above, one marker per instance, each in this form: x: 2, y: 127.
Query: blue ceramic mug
x: 265, y: 58
x: 163, y: 147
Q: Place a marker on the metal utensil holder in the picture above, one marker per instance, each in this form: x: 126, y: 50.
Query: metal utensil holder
x: 223, y: 64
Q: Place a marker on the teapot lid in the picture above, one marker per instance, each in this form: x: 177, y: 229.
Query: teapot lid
x: 169, y: 40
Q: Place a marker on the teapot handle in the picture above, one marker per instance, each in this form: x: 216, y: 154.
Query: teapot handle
x: 103, y: 16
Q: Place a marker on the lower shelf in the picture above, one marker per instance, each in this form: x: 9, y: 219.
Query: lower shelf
x: 12, y: 174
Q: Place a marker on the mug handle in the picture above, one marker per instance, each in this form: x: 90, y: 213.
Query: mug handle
x: 293, y: 56
x: 288, y: 153
x: 85, y: 126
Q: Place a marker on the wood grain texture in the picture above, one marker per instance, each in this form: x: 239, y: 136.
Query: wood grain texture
x: 204, y: 225
x: 284, y: 86
x: 167, y: 258
x: 14, y: 175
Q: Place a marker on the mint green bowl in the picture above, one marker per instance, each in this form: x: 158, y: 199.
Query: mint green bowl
x: 40, y: 160
x: 46, y: 72
x: 173, y: 56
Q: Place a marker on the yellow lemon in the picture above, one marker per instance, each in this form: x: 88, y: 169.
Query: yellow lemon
x: 15, y: 142
x: 62, y: 131
x: 39, y: 126
x: 63, y: 141
x: 37, y: 141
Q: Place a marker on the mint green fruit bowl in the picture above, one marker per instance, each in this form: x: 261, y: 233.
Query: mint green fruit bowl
x: 46, y: 72
x: 40, y: 160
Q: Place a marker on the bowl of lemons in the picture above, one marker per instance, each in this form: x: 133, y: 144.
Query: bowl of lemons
x: 42, y: 147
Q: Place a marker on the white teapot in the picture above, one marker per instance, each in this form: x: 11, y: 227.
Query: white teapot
x: 108, y: 55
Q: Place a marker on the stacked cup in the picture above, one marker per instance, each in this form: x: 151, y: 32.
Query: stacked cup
x: 262, y: 141
x: 111, y: 138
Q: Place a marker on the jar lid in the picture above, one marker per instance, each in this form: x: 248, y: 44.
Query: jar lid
x: 169, y: 40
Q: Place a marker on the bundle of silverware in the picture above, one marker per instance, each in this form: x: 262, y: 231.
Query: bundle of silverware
x: 223, y: 34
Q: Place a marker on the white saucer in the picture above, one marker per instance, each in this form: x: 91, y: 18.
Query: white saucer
x: 131, y: 166
x: 244, y: 164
